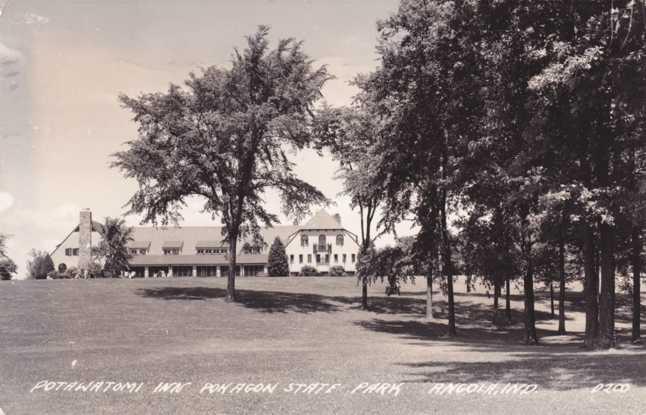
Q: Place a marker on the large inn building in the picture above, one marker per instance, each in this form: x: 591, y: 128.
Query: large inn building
x: 199, y: 251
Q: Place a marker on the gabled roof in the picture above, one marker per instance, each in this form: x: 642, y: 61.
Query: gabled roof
x: 322, y: 220
x: 138, y: 244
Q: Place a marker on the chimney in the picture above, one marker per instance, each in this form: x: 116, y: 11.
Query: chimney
x: 85, y: 239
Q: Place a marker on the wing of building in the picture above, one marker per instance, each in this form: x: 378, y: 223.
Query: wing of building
x: 199, y: 251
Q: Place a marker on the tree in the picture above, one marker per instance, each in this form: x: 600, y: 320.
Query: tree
x: 39, y: 265
x: 277, y: 263
x: 7, y: 266
x: 223, y: 138
x: 349, y: 133
x: 113, y: 248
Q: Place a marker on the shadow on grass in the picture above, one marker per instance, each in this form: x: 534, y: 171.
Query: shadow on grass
x: 545, y: 367
x: 265, y: 301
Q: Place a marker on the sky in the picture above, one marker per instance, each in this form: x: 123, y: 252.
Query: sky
x: 63, y: 64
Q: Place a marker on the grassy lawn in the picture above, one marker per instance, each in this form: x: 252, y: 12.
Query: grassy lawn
x: 293, y: 330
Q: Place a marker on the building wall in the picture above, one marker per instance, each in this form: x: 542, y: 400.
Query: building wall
x: 295, y: 250
x: 72, y: 242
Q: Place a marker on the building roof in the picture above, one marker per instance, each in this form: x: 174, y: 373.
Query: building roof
x: 139, y: 244
x: 323, y: 220
x: 215, y: 259
x: 190, y: 238
x: 209, y: 244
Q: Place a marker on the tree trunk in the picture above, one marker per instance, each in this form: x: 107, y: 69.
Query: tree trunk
x: 364, y: 293
x: 429, y: 297
x: 637, y: 266
x: 496, y: 295
x: 468, y: 282
x: 607, y: 296
x: 448, y: 269
x: 231, y: 279
x: 561, y: 329
x: 591, y: 286
x: 528, y: 285
x: 508, y: 300
x: 552, y: 299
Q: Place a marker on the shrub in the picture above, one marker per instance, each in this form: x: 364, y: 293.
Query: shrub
x: 337, y: 271
x: 277, y: 264
x: 40, y: 265
x: 309, y: 271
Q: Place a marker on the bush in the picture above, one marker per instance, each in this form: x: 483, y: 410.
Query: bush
x: 309, y: 271
x: 337, y: 271
x: 40, y: 265
x: 277, y: 264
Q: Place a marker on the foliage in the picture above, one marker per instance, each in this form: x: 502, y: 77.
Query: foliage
x: 7, y: 266
x: 223, y: 137
x: 337, y: 271
x: 308, y: 271
x: 113, y: 248
x: 39, y: 265
x: 277, y: 262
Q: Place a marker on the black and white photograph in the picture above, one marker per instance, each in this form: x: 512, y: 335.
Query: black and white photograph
x: 322, y: 207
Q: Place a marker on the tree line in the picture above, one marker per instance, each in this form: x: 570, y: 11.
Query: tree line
x: 519, y: 125
x: 509, y: 131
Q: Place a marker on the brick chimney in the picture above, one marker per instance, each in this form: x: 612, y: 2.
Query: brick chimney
x: 85, y: 239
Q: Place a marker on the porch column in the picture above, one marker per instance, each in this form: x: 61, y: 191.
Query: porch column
x: 170, y: 271
x: 218, y: 272
x: 265, y: 270
x: 146, y: 273
x: 242, y: 270
x: 194, y: 271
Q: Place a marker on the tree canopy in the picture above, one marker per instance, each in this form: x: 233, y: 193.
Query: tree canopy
x: 224, y: 136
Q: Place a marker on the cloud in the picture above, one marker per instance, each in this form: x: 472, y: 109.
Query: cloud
x: 33, y: 18
x: 6, y: 201
x: 10, y: 62
x: 8, y: 56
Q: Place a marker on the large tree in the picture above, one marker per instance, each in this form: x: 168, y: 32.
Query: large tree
x: 224, y: 137
x: 113, y: 247
x: 348, y: 133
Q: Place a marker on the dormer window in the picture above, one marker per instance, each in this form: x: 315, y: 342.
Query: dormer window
x: 138, y: 247
x: 172, y: 247
x: 339, y: 240
x: 210, y: 248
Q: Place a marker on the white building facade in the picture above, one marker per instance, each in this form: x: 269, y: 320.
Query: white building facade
x: 199, y: 251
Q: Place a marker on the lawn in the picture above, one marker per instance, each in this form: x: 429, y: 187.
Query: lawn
x: 292, y: 330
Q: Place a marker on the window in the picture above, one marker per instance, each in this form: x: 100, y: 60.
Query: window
x: 171, y: 251
x: 71, y: 252
x: 339, y: 240
x: 291, y: 259
x: 318, y: 258
x: 300, y: 259
x: 309, y: 258
x: 336, y: 258
x: 322, y: 241
x: 304, y: 240
x: 354, y: 257
x: 327, y: 258
x: 345, y: 257
x: 138, y: 251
